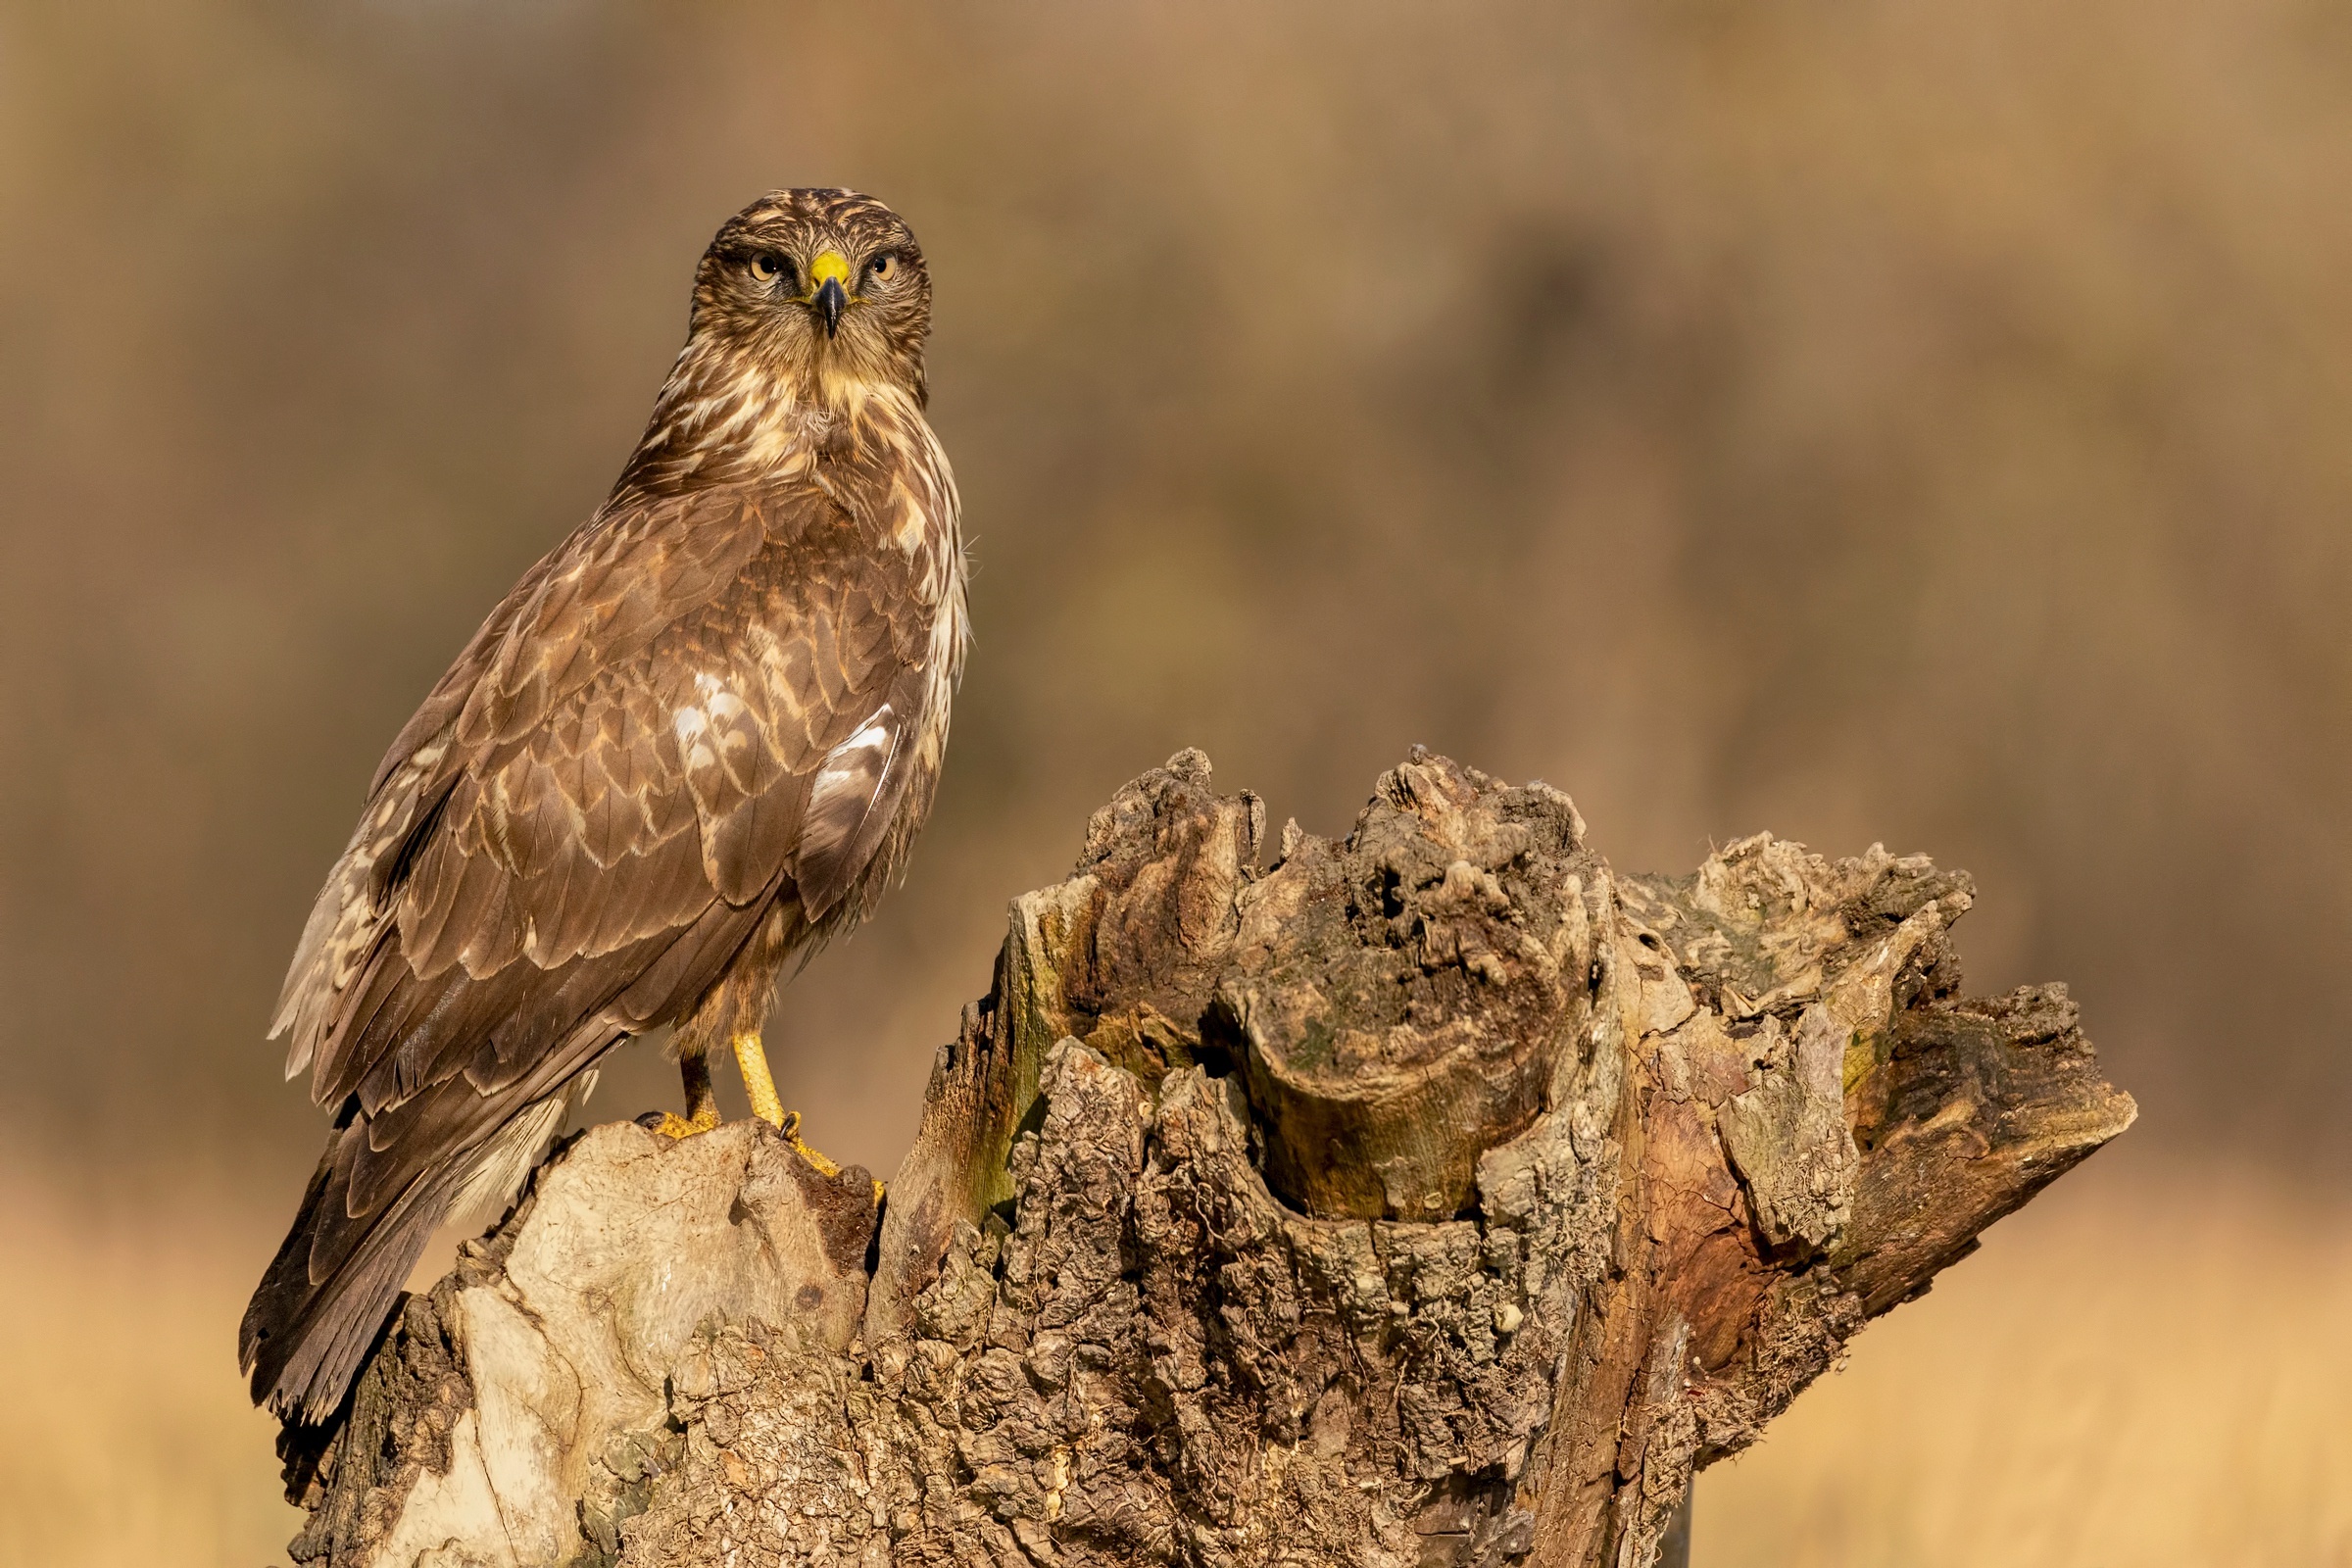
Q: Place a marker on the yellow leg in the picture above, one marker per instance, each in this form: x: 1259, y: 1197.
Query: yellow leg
x: 702, y: 1101
x: 752, y: 1058
x: 755, y: 1080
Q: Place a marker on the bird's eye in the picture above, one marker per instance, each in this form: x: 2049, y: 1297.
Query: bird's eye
x: 768, y: 265
x: 882, y: 266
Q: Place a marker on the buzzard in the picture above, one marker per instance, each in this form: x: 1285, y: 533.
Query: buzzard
x: 696, y: 739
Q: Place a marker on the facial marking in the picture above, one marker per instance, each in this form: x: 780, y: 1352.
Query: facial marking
x: 772, y: 368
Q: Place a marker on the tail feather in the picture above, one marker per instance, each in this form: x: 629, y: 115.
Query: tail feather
x: 449, y: 1089
x: 303, y: 1339
x: 336, y: 1276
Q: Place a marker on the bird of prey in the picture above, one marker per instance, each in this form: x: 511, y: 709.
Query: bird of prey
x: 696, y: 739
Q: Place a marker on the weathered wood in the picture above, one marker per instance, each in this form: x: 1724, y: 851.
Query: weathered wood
x: 1437, y: 1195
x: 529, y: 1394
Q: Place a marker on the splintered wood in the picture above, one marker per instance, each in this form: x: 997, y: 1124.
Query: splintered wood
x: 1435, y: 1196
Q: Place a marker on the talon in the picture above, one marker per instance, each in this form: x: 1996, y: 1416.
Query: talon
x: 757, y: 1082
x: 673, y: 1125
x: 825, y: 1167
x: 702, y: 1105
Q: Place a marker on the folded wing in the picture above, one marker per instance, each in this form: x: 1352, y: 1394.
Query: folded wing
x: 696, y: 711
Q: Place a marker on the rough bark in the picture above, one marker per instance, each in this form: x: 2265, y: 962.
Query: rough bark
x: 1437, y: 1195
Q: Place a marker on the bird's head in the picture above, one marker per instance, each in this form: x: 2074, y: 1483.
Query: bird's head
x: 825, y: 288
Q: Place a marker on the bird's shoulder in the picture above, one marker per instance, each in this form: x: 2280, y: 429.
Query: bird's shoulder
x: 654, y: 582
x: 698, y: 661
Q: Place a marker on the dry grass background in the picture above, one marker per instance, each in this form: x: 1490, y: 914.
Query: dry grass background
x: 2150, y: 1370
x: 1865, y: 419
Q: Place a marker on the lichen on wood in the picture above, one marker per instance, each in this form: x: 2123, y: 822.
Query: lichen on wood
x: 1432, y: 1195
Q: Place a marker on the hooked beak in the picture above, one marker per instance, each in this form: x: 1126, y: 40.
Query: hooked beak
x: 828, y: 296
x: 829, y: 302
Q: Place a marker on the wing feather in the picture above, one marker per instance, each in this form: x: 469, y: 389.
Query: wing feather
x: 693, y: 714
x: 603, y: 752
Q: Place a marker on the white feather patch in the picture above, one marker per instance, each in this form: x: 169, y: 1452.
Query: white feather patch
x: 848, y: 782
x: 512, y: 1155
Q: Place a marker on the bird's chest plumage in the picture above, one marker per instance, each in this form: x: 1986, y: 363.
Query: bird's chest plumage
x: 887, y: 475
x: 863, y: 634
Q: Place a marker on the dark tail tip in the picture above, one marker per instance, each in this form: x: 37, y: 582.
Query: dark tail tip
x: 327, y: 1294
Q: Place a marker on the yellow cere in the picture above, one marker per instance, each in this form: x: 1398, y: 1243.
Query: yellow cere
x: 831, y: 267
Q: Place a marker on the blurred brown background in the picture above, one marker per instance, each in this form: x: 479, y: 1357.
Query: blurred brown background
x: 1864, y: 420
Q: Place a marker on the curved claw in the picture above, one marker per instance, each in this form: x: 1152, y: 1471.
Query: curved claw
x: 673, y: 1125
x: 791, y: 1128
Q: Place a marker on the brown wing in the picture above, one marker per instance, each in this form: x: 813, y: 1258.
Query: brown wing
x: 690, y: 710
x: 600, y: 596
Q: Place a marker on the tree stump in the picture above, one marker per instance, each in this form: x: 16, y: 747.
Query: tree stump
x: 1436, y: 1195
